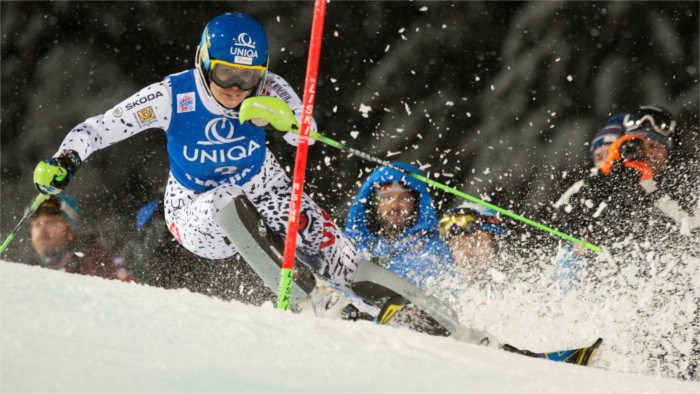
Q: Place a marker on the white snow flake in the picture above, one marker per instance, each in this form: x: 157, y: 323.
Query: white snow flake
x: 365, y: 110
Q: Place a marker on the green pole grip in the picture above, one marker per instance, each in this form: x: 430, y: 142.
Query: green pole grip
x: 285, y: 291
x: 44, y: 173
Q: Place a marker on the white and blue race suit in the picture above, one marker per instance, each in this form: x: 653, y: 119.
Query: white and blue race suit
x: 213, y: 159
x: 226, y: 152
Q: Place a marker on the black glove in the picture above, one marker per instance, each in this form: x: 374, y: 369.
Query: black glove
x: 51, y: 176
x: 634, y: 181
x: 623, y: 175
x: 625, y: 163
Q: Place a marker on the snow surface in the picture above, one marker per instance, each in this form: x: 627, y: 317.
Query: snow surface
x: 72, y: 333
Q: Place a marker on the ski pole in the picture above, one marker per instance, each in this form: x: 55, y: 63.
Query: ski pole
x: 287, y: 274
x: 272, y: 113
x: 37, y: 201
x: 448, y: 189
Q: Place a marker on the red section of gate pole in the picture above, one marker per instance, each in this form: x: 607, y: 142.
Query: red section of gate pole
x: 302, y: 149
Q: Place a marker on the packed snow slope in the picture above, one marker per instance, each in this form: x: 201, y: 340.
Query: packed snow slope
x: 72, y: 333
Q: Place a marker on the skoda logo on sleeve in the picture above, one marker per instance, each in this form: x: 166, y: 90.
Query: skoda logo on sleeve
x: 219, y: 131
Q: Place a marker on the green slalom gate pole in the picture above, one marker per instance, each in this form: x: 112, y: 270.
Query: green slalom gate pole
x: 37, y: 201
x: 448, y: 189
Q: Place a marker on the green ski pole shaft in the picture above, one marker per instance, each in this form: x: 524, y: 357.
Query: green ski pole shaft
x: 448, y: 189
x: 39, y: 199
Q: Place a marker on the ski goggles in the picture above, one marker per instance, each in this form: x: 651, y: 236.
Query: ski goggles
x: 393, y: 186
x: 227, y: 75
x: 459, y: 223
x: 647, y: 118
x: 466, y: 221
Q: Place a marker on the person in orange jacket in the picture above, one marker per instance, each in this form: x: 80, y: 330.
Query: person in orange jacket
x: 56, y: 240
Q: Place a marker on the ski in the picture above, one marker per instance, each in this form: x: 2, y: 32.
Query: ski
x: 407, y: 315
x: 261, y: 247
x: 580, y: 356
x: 400, y: 303
x: 396, y: 311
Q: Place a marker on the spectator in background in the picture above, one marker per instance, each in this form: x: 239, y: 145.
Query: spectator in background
x: 477, y: 239
x: 393, y: 219
x: 473, y: 233
x: 393, y: 222
x: 643, y: 191
x: 648, y: 177
x: 649, y: 196
x: 56, y: 240
x: 641, y: 181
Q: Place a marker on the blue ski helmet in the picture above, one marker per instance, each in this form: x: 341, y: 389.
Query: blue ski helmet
x: 234, y: 38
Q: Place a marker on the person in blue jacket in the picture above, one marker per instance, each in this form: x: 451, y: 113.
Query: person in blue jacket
x: 393, y: 219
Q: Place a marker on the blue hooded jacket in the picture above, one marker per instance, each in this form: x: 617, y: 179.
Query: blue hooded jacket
x: 418, y: 253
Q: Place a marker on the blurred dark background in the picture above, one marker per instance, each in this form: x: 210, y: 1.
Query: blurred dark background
x: 497, y: 99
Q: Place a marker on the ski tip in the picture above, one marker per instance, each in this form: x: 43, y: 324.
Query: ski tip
x: 587, y: 353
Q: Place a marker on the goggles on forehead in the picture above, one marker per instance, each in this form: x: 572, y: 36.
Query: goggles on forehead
x: 466, y: 221
x: 227, y: 75
x: 644, y: 118
x: 393, y: 186
x: 459, y: 223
